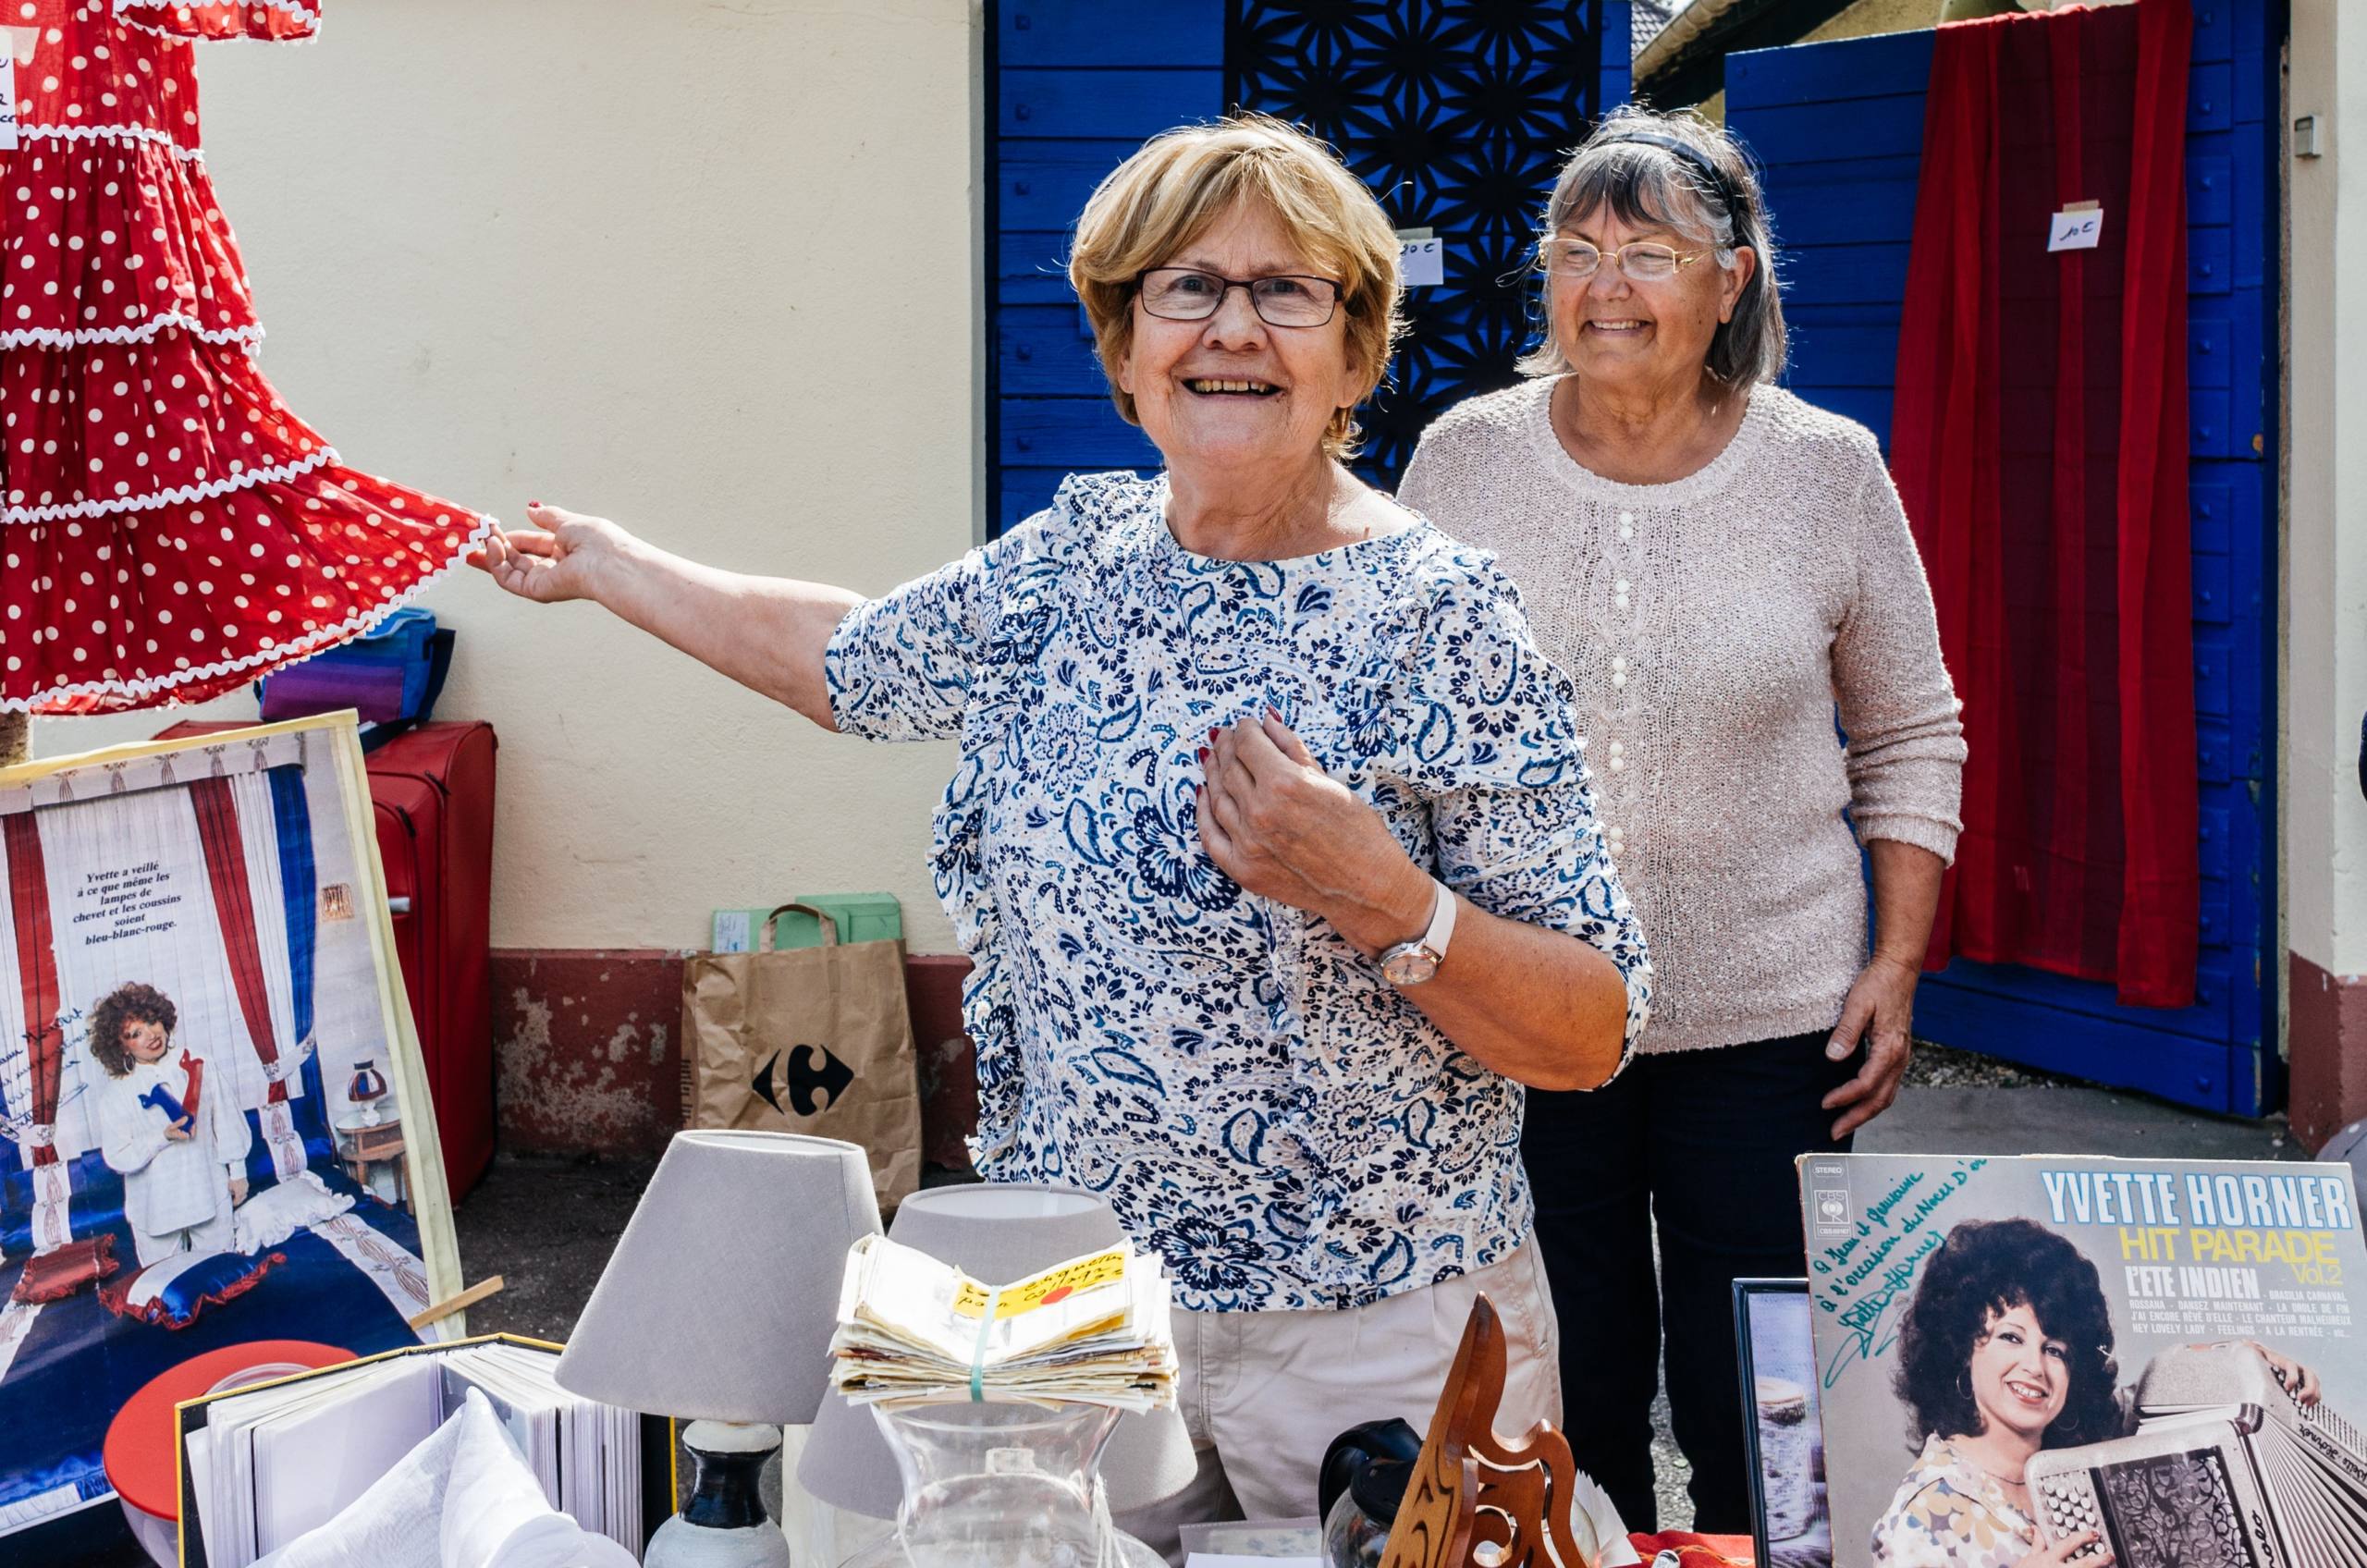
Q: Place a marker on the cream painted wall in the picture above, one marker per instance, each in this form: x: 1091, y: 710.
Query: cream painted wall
x: 2325, y: 542
x: 707, y: 268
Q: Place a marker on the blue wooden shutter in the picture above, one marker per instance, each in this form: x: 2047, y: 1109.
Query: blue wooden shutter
x: 1838, y: 127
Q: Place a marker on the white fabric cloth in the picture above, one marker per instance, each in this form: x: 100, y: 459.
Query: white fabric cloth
x: 1713, y: 628
x: 276, y: 1213
x: 463, y: 1498
x: 172, y: 1189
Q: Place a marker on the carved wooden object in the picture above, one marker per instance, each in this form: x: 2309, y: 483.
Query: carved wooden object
x: 1476, y: 1500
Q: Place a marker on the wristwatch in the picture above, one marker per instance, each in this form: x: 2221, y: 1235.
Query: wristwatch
x: 1410, y: 963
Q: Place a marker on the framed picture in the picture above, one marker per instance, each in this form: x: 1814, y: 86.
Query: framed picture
x: 1789, y: 1523
x: 214, y: 1123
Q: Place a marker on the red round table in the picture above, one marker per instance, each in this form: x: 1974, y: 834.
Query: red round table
x: 139, y: 1454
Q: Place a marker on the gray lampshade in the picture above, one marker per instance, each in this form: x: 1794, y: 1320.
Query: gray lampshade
x: 995, y: 1234
x: 718, y: 1303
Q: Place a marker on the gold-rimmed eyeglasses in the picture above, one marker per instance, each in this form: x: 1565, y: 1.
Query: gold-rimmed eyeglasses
x: 1642, y: 261
x: 1285, y: 299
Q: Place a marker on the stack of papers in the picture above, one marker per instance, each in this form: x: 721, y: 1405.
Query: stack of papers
x: 1093, y: 1331
x: 270, y: 1464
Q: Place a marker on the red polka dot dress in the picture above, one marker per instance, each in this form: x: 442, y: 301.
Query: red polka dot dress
x: 171, y: 531
x: 276, y: 22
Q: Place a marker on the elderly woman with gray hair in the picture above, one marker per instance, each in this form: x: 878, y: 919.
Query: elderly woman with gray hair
x: 1719, y: 568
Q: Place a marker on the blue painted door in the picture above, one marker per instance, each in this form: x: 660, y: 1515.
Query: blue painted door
x: 1838, y: 127
x: 1456, y: 113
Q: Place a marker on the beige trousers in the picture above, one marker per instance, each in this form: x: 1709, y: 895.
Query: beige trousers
x: 1264, y: 1394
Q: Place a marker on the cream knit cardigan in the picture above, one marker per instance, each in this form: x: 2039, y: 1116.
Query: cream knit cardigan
x: 1712, y: 627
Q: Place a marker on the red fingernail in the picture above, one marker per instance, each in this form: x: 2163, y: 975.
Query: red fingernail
x: 1204, y: 754
x: 1274, y: 714
x: 1212, y: 731
x: 533, y: 503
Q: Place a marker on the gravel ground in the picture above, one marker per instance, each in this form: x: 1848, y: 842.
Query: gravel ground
x: 546, y: 1226
x: 1941, y: 1066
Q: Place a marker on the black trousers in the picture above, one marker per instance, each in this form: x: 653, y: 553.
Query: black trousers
x: 1699, y: 1143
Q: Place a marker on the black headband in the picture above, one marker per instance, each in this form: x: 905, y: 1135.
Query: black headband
x: 1720, y: 181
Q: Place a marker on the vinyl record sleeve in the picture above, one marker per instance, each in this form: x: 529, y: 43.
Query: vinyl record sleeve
x: 2122, y: 1271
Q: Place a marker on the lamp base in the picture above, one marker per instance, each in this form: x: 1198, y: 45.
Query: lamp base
x: 724, y: 1526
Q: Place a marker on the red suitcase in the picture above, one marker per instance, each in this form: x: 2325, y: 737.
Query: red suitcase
x: 432, y: 788
x: 433, y: 791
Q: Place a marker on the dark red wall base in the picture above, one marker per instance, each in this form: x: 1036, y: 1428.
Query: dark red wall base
x: 2327, y: 1037
x: 587, y: 1046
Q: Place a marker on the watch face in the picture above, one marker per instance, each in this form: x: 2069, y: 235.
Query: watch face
x: 1409, y: 966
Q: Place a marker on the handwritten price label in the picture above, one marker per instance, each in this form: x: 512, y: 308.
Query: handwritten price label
x: 1422, y: 261
x: 2076, y: 228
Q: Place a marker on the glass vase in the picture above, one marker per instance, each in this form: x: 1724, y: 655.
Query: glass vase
x: 1001, y: 1486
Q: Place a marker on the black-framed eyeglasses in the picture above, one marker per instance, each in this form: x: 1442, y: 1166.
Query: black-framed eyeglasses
x: 1286, y: 299
x: 1642, y: 261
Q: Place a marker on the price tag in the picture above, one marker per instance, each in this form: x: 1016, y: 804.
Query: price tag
x: 2076, y: 227
x: 8, y: 100
x: 1421, y: 259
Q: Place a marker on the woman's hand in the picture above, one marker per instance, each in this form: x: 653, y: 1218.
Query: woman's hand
x: 2295, y: 1379
x: 1534, y: 1003
x: 562, y: 557
x: 2063, y: 1552
x: 237, y: 1191
x: 1276, y: 823
x: 1880, y: 1008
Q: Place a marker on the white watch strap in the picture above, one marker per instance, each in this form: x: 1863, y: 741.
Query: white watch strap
x: 1441, y: 919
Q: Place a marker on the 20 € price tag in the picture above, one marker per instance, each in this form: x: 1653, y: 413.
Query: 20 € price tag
x: 1421, y: 260
x: 2076, y: 228
x: 8, y: 100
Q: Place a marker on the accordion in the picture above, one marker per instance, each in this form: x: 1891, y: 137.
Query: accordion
x: 2224, y: 1470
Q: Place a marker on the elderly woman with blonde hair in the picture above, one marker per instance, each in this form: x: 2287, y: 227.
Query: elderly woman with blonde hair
x: 1270, y: 836
x: 1723, y: 570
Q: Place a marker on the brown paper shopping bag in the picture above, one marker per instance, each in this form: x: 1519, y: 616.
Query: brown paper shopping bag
x: 815, y: 1040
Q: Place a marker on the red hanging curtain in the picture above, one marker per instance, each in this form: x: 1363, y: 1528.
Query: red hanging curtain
x: 36, y: 971
x: 225, y: 869
x: 2038, y: 442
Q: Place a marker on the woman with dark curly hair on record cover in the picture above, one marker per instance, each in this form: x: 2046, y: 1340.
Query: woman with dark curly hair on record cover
x: 1976, y: 1318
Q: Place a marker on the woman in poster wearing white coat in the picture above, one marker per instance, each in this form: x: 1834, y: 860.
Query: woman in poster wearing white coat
x: 171, y: 1127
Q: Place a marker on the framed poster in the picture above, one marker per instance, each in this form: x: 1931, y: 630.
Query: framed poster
x: 215, y: 1124
x: 1789, y: 1525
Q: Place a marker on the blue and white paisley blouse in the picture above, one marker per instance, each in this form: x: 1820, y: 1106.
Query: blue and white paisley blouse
x: 1256, y: 1103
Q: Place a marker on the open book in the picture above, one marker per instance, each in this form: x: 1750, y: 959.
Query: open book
x: 913, y: 1331
x: 263, y: 1465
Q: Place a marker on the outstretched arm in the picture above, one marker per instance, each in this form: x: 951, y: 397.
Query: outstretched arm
x: 768, y: 634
